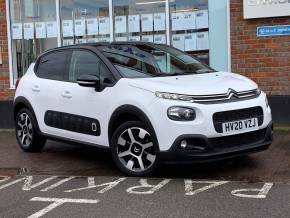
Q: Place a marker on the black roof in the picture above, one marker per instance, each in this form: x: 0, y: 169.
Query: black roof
x: 96, y: 44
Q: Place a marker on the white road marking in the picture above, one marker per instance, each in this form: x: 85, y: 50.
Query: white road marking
x: 262, y: 193
x: 27, y: 183
x: 91, y: 181
x: 143, y: 188
x: 92, y: 184
x: 59, y: 183
x: 144, y: 184
x: 58, y: 202
x: 189, y: 186
x: 11, y: 183
x: 4, y: 178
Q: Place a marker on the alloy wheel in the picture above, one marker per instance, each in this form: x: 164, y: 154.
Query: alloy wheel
x: 24, y: 129
x: 135, y: 149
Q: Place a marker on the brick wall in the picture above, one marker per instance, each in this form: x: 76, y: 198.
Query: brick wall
x: 5, y: 93
x: 264, y: 59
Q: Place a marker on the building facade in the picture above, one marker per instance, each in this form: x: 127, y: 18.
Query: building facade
x: 226, y: 34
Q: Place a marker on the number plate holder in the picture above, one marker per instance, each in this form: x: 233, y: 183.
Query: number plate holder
x: 240, y: 126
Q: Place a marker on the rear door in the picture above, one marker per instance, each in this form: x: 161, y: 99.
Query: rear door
x: 47, y: 88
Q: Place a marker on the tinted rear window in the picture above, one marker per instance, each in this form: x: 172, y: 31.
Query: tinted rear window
x: 52, y: 66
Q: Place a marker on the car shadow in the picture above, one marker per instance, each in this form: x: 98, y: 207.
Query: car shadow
x: 93, y: 161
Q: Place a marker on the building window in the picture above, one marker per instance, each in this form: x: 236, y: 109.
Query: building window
x: 139, y: 20
x: 33, y: 31
x: 190, y: 27
x: 84, y: 21
x: 36, y: 26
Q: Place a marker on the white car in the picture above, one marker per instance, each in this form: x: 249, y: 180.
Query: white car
x: 148, y: 103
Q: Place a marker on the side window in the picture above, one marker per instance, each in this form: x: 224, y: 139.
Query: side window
x: 83, y: 63
x: 105, y: 75
x: 52, y: 66
x: 129, y: 63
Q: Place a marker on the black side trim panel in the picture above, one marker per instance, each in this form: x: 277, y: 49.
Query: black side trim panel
x: 74, y: 142
x: 73, y: 123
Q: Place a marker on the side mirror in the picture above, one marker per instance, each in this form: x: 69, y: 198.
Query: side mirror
x: 89, y: 81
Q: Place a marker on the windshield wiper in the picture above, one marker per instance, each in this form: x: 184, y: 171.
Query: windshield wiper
x: 205, y: 71
x: 184, y: 73
x: 192, y: 72
x: 160, y: 75
x: 172, y: 74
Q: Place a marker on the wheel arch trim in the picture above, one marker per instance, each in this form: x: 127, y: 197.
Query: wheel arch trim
x: 130, y: 109
x: 24, y: 101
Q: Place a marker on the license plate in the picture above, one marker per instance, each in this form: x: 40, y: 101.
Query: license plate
x: 241, y: 126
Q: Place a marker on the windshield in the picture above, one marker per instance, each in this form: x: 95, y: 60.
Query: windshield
x: 151, y: 60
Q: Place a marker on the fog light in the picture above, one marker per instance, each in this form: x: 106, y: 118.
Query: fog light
x: 183, y: 144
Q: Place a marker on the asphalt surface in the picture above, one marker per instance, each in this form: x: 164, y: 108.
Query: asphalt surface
x: 79, y: 181
x: 66, y: 159
x: 127, y: 200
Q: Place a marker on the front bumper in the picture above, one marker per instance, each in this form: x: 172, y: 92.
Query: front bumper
x: 167, y: 131
x: 211, y: 149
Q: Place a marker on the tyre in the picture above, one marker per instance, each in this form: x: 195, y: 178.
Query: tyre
x: 26, y: 132
x: 133, y: 148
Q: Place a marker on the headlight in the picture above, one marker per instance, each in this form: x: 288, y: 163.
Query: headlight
x: 181, y: 113
x: 172, y: 96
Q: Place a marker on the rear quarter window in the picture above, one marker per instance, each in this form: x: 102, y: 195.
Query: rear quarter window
x: 52, y: 66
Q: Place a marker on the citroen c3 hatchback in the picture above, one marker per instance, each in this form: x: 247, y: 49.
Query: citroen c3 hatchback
x: 147, y: 103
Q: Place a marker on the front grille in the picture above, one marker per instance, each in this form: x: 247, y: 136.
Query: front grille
x: 230, y: 96
x: 236, y: 115
x: 238, y: 140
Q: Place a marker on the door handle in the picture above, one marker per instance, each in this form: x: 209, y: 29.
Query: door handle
x: 66, y: 94
x: 36, y: 88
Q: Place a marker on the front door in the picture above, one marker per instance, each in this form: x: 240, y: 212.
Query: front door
x: 85, y: 109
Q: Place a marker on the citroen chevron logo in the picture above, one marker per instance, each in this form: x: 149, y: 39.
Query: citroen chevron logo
x: 232, y: 93
x: 136, y: 149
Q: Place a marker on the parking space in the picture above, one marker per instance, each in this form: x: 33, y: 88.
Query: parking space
x: 52, y: 196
